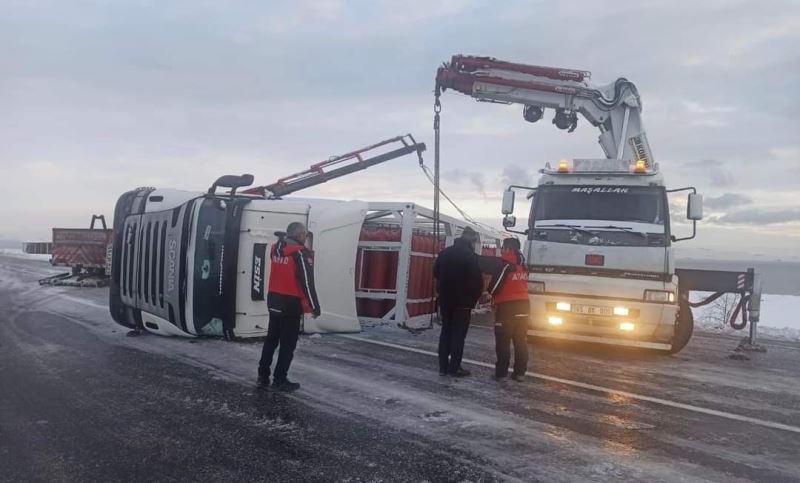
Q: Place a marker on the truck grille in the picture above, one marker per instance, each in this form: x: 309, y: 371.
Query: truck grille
x: 145, y: 282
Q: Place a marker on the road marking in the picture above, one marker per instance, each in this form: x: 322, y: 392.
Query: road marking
x: 777, y: 344
x: 602, y: 389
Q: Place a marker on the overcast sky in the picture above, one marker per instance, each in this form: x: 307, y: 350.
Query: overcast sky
x: 98, y: 97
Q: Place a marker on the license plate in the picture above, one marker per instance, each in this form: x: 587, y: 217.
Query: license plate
x: 591, y: 309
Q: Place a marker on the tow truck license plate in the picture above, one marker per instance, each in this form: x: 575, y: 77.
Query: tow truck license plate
x: 591, y: 309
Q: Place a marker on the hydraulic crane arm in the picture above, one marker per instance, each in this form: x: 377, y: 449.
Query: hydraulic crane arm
x: 342, y: 165
x: 615, y: 109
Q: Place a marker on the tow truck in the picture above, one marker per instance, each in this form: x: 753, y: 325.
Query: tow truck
x: 599, y: 243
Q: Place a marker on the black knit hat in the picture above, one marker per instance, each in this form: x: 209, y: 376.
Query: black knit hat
x: 511, y: 243
x: 469, y: 234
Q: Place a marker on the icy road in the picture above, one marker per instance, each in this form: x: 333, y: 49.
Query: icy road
x: 80, y: 401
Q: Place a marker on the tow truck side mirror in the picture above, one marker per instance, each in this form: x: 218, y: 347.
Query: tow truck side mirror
x: 508, y: 203
x: 694, y: 208
x: 509, y: 221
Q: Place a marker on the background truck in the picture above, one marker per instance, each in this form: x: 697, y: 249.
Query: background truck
x: 599, y: 243
x: 85, y: 251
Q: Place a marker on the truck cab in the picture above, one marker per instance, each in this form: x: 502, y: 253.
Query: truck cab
x: 599, y: 250
x: 192, y: 264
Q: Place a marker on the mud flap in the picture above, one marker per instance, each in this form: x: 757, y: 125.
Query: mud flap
x: 684, y: 327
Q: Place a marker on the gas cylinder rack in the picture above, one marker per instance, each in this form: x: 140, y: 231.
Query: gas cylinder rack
x: 394, y: 262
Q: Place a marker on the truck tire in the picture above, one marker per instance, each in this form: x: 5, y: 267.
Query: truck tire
x: 684, y: 327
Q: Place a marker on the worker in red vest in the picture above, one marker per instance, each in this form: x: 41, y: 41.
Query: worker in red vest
x: 291, y: 294
x: 509, y: 291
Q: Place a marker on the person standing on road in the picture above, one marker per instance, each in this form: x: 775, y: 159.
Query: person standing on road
x: 512, y: 308
x: 291, y: 294
x: 459, y: 284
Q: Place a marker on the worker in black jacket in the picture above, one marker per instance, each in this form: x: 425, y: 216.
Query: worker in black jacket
x: 291, y: 294
x: 459, y: 284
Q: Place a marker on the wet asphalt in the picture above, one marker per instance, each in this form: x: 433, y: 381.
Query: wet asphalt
x: 81, y: 401
x: 74, y: 408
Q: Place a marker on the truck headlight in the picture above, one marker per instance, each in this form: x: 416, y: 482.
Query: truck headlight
x: 621, y: 311
x: 563, y: 306
x: 660, y: 296
x: 627, y: 326
x: 535, y: 287
x: 553, y: 320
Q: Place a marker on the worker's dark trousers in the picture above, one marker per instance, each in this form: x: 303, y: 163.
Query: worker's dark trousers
x: 283, y: 331
x: 511, y: 327
x: 455, y: 323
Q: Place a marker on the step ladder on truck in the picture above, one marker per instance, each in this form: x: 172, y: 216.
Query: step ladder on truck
x: 598, y: 241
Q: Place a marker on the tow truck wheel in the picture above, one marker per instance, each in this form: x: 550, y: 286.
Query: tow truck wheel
x: 684, y: 327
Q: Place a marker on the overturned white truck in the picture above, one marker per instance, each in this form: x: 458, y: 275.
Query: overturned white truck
x: 192, y: 263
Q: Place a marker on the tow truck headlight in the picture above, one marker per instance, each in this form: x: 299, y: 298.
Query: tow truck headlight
x: 661, y: 296
x: 621, y: 311
x: 535, y: 287
x: 553, y: 320
x: 627, y: 326
x: 563, y: 306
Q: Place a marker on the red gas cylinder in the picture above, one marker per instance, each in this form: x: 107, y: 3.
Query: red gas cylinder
x: 415, y: 281
x: 392, y: 261
x: 363, y: 263
x: 426, y: 273
x: 374, y: 277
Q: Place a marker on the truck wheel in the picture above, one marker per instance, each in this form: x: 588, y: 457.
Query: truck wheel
x: 684, y: 327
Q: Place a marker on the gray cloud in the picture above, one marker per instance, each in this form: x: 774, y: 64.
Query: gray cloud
x: 114, y: 95
x: 714, y: 170
x: 515, y: 174
x: 475, y: 178
x: 726, y: 201
x: 756, y: 216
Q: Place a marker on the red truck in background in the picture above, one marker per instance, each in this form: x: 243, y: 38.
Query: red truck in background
x: 86, y: 251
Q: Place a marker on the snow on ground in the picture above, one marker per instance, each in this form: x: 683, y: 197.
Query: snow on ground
x: 18, y: 253
x: 780, y: 316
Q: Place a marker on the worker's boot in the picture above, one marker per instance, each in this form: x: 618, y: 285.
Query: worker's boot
x: 460, y: 373
x: 518, y: 377
x: 286, y: 385
x: 263, y: 382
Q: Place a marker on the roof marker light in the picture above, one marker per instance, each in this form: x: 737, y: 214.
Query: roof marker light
x: 563, y: 166
x: 641, y: 167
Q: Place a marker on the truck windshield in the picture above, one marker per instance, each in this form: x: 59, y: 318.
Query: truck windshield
x: 600, y: 215
x: 209, y: 239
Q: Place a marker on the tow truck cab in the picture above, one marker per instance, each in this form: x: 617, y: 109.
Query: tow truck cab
x: 600, y: 255
x: 190, y: 263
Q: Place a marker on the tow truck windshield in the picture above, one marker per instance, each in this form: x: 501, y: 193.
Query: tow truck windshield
x: 600, y: 215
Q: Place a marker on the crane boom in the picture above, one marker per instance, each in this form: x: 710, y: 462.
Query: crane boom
x: 615, y: 109
x: 338, y: 166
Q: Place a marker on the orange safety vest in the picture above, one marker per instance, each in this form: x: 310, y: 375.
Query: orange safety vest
x: 513, y: 280
x: 283, y: 278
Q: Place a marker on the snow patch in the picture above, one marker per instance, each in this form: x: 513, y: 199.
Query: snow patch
x: 779, y: 319
x: 18, y: 253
